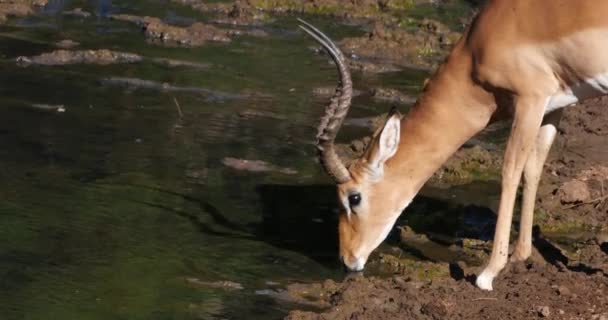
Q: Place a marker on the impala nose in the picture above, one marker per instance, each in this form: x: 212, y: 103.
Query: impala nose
x: 353, y: 264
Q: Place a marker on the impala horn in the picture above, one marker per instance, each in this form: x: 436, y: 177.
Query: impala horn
x: 335, y: 112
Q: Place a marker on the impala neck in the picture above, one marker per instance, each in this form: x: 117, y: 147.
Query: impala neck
x: 452, y: 109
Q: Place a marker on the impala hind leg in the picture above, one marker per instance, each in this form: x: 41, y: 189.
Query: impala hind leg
x: 532, y: 173
x: 527, y: 119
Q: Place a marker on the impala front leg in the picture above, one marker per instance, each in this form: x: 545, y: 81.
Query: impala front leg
x: 527, y: 119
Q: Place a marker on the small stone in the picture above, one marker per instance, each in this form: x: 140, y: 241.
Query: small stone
x: 77, y: 12
x: 563, y: 291
x: 66, y: 44
x: 574, y: 191
x: 543, y: 311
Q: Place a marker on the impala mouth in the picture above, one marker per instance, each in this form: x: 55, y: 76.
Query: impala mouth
x: 354, y: 265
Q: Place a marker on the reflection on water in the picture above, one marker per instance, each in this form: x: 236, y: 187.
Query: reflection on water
x: 109, y: 207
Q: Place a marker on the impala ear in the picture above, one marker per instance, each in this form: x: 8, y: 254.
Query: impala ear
x: 385, y: 142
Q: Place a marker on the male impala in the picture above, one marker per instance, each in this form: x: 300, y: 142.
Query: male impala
x: 524, y: 59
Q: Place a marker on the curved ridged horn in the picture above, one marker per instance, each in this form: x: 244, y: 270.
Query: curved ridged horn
x: 335, y: 112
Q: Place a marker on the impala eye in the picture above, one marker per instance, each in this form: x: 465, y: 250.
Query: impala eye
x: 354, y: 199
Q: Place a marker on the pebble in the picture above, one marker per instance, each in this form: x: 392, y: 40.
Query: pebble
x: 543, y: 311
x: 563, y: 291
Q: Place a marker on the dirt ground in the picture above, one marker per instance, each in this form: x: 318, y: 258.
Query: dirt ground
x: 557, y: 282
x: 526, y: 291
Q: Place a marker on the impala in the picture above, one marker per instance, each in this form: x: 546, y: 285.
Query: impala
x: 520, y: 59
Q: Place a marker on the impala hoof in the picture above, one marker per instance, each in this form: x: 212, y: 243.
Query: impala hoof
x: 484, y: 281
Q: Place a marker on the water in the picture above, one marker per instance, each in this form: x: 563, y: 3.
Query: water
x: 108, y: 208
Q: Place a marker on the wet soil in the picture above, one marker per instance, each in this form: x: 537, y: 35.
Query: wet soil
x: 526, y: 291
x: 575, y: 182
x: 423, y: 46
x: 158, y: 32
x: 391, y: 43
x: 66, y: 57
x: 239, y: 13
x: 98, y: 57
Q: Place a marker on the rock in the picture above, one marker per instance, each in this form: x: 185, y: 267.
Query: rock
x: 327, y: 92
x: 226, y: 285
x: 437, y: 310
x: 47, y: 107
x: 573, y: 191
x: 255, y: 166
x: 77, y: 12
x: 543, y: 311
x: 157, y: 31
x: 563, y: 291
x: 66, y: 44
x: 65, y: 57
x: 392, y: 95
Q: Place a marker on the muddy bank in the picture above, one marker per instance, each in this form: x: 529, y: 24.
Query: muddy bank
x: 387, y: 10
x: 238, y: 13
x: 100, y: 57
x: 65, y: 57
x: 423, y: 46
x: 393, y: 39
x: 158, y: 32
x: 390, y: 48
x: 526, y: 291
x: 19, y: 8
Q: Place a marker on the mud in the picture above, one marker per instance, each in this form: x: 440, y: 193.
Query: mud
x: 66, y: 57
x: 100, y: 57
x: 380, y: 94
x: 574, y: 185
x: 526, y: 291
x: 158, y: 32
x: 238, y: 13
x: 392, y: 96
x: 389, y: 46
x: 388, y: 10
x: 77, y: 13
x: 19, y: 8
x: 255, y: 166
x: 424, y: 46
x: 66, y: 44
x: 224, y: 285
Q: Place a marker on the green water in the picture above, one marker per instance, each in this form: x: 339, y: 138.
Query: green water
x: 109, y: 207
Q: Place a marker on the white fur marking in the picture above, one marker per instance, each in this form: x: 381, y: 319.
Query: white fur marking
x: 387, y: 229
x: 590, y: 88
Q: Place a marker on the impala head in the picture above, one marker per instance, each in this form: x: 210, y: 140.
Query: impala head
x: 366, y: 191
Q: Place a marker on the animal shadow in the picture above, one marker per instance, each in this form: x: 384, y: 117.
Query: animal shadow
x: 301, y: 218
